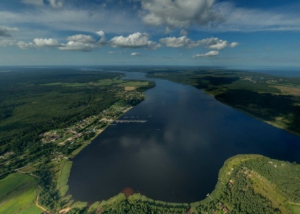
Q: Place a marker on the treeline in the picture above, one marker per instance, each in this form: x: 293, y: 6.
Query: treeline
x: 31, y: 103
x: 265, y: 105
x: 251, y: 92
x: 254, y: 185
x: 284, y: 175
x: 48, y: 194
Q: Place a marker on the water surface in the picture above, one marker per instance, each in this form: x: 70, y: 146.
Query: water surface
x: 176, y: 155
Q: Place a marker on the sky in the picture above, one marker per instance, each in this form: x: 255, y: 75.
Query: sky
x: 230, y: 33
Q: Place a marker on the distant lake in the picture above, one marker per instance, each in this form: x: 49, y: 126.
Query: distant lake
x: 176, y: 155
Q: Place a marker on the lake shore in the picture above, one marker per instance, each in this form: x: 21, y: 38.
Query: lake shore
x: 227, y: 178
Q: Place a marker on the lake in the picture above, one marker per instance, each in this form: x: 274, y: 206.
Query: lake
x: 175, y: 156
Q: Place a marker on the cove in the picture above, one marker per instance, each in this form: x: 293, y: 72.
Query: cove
x: 175, y: 156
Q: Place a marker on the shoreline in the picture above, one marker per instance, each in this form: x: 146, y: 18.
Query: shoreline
x: 251, y: 115
x: 88, y: 142
x: 224, y: 178
x: 68, y: 163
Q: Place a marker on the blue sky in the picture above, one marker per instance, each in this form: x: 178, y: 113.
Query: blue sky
x: 231, y: 33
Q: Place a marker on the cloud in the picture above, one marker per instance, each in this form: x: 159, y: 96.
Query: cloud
x: 46, y: 42
x: 39, y: 43
x: 179, y: 13
x: 81, y: 38
x: 179, y: 42
x: 7, y: 42
x: 6, y: 31
x: 135, y: 54
x: 215, y: 43
x: 136, y: 40
x: 209, y: 54
x: 78, y: 46
x: 25, y: 45
x: 233, y: 44
x: 55, y: 3
x: 102, y: 35
x: 184, y: 41
x: 183, y: 32
x: 46, y: 20
x: 75, y: 43
x: 33, y: 2
x: 81, y: 42
x: 52, y: 3
x: 245, y: 19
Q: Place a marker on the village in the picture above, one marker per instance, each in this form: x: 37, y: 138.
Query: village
x: 81, y: 133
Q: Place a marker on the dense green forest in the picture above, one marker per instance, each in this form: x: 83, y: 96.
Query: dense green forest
x: 247, y: 184
x: 35, y: 101
x: 46, y: 117
x: 273, y: 99
x: 28, y: 108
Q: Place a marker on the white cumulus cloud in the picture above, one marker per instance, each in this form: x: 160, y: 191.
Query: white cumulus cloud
x: 25, y: 45
x: 39, y: 43
x: 78, y: 46
x: 102, y: 35
x: 233, y: 44
x: 209, y: 54
x: 81, y: 38
x: 46, y: 42
x: 219, y: 44
x: 180, y: 13
x: 136, y: 40
x: 178, y: 42
x: 184, y: 41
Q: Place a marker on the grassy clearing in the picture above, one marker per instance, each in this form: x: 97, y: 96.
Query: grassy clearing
x: 107, y: 82
x: 135, y: 84
x: 103, y: 82
x: 27, y: 169
x: 295, y: 209
x: 63, y: 177
x: 264, y: 187
x: 294, y: 91
x: 18, y: 194
x: 79, y: 205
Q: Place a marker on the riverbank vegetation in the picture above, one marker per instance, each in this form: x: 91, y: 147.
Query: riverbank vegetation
x: 273, y: 99
x: 246, y: 184
x: 48, y: 117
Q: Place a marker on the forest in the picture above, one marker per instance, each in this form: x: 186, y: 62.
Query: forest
x: 41, y: 109
x: 273, y: 99
x: 247, y: 184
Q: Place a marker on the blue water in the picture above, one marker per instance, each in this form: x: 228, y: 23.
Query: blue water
x: 176, y: 155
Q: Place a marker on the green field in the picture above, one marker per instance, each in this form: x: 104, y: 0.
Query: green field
x: 135, y: 83
x: 296, y: 209
x: 101, y: 82
x: 63, y: 177
x: 18, y: 194
x: 33, y: 103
